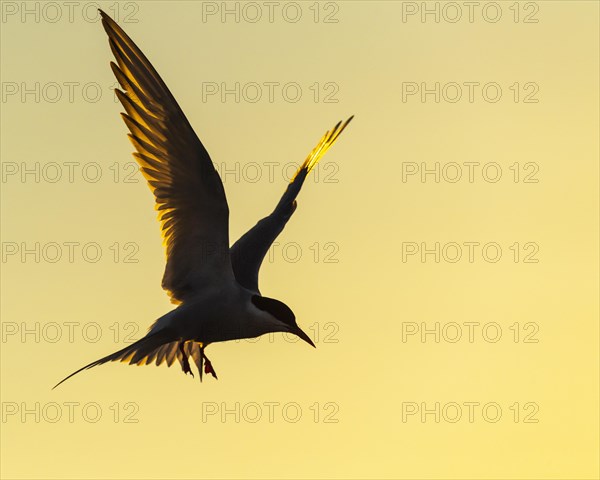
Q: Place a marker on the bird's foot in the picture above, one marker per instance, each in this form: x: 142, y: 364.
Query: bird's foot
x: 208, y: 368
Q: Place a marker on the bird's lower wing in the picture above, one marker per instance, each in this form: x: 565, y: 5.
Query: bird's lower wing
x: 249, y: 251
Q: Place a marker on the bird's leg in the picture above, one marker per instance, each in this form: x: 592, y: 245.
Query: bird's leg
x: 208, y: 368
x: 185, y: 364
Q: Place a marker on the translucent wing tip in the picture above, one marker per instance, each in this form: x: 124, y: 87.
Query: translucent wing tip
x: 321, y: 148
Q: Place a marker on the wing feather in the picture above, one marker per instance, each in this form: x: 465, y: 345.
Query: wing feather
x: 189, y: 195
x: 171, y: 353
x: 249, y: 251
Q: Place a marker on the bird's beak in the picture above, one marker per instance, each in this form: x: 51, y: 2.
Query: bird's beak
x: 298, y: 331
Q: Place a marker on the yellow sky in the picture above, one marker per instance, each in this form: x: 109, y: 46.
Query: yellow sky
x: 444, y: 256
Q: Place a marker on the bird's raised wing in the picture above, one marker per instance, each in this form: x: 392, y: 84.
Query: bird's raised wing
x: 249, y: 251
x: 189, y: 194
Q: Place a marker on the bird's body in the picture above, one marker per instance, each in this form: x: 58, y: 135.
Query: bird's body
x: 215, y: 286
x: 218, y: 314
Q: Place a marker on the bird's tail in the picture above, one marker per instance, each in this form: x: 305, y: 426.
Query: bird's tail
x: 160, y: 345
x: 324, y: 144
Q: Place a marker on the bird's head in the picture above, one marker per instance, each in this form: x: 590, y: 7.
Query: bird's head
x: 282, y: 314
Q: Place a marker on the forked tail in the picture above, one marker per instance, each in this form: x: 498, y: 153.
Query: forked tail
x: 143, y: 352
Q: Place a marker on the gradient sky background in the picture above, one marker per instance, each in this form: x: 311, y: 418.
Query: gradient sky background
x: 339, y: 264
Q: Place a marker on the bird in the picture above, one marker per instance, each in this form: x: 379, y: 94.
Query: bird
x: 214, y: 286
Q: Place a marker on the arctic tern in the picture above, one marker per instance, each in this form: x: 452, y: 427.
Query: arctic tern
x: 214, y: 285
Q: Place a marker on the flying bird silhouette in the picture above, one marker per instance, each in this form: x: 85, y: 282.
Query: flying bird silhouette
x: 214, y: 286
